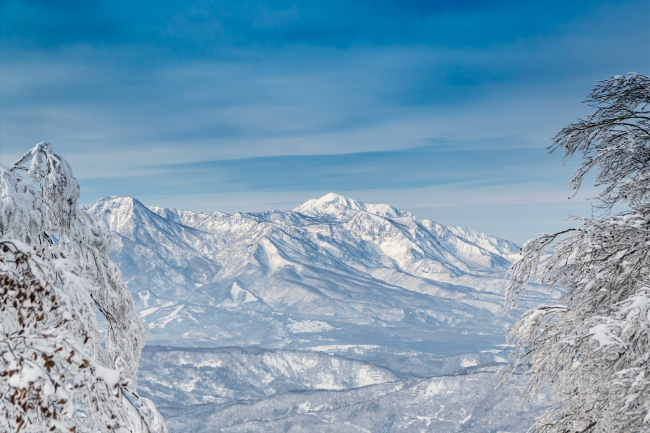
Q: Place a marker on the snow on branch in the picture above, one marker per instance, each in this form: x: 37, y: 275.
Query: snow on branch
x: 592, y: 345
x: 86, y: 238
x: 614, y: 140
x: 57, y: 372
x: 50, y: 378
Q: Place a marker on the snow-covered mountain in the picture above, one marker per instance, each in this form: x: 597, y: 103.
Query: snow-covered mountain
x: 184, y: 376
x: 468, y: 402
x: 334, y: 275
x: 305, y: 318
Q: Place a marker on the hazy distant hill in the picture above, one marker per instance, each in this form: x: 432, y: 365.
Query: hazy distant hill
x: 461, y: 403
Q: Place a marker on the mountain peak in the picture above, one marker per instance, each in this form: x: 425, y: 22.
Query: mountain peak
x: 113, y: 202
x: 117, y: 201
x: 330, y: 200
x: 117, y: 211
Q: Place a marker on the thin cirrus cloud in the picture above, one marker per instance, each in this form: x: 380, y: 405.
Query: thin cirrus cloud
x: 476, y: 164
x: 171, y: 100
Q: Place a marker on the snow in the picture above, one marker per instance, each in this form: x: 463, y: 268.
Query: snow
x: 331, y: 203
x: 602, y: 335
x: 145, y: 313
x: 357, y: 348
x: 236, y: 291
x: 56, y: 277
x: 163, y: 321
x: 468, y: 363
x: 335, y: 278
x: 111, y: 376
x: 298, y: 327
x: 437, y: 387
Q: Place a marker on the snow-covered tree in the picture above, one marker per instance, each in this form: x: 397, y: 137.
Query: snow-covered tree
x: 57, y: 371
x: 592, y: 345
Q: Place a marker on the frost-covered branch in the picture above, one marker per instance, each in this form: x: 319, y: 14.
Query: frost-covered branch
x: 592, y: 345
x: 57, y: 373
x: 50, y: 380
x: 614, y: 140
x: 86, y: 238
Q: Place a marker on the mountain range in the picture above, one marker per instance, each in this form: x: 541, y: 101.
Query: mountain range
x: 365, y: 294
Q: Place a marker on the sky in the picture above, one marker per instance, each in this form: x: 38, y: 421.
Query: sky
x: 443, y: 108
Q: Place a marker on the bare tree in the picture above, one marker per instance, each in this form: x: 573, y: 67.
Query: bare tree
x: 57, y: 372
x: 592, y: 345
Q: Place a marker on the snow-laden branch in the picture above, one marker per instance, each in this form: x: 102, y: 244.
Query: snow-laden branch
x: 57, y: 372
x: 613, y: 140
x: 50, y: 378
x: 592, y: 345
x: 86, y: 238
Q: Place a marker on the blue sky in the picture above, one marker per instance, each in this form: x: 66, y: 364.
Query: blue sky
x: 443, y: 108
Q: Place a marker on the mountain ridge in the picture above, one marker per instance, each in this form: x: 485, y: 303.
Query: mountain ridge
x: 361, y: 280
x: 332, y: 317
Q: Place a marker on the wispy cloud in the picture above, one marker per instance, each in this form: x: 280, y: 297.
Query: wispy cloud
x: 275, y: 97
x: 464, y: 164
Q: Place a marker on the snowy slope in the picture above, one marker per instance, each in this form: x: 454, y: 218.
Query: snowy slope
x: 334, y: 275
x: 469, y: 402
x: 186, y: 376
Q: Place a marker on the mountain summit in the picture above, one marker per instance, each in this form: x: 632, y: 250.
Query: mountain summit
x: 332, y: 203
